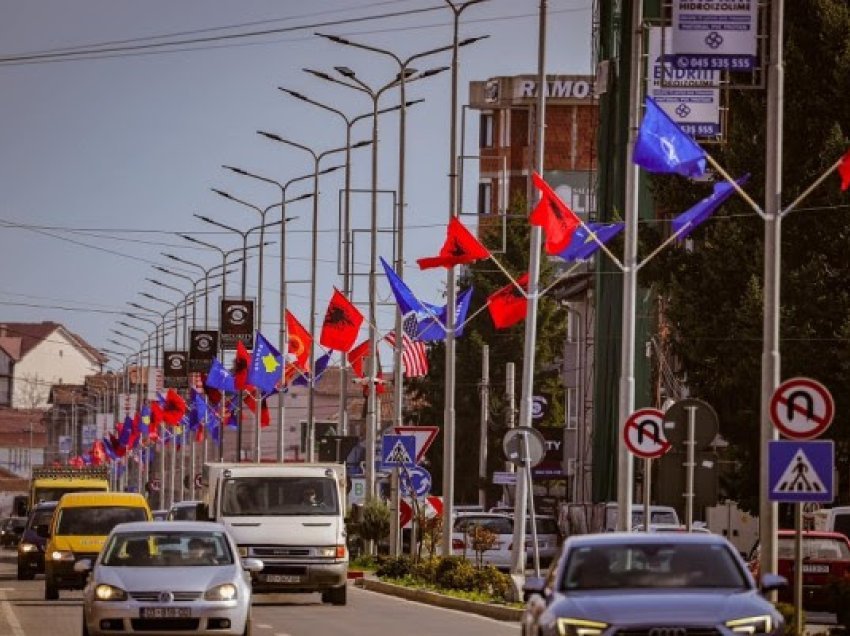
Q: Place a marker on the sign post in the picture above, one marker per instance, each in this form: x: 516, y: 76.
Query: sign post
x: 644, y: 437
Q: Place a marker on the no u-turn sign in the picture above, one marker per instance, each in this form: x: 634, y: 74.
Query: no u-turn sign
x: 801, y: 408
x: 644, y: 433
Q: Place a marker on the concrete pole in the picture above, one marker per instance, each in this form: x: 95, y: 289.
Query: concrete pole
x: 770, y: 361
x: 625, y: 465
x: 484, y: 389
x: 523, y: 482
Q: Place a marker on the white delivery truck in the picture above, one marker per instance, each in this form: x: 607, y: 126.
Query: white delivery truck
x: 290, y: 516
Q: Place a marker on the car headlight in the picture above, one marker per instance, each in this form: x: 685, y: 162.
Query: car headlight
x: 243, y: 550
x: 333, y: 552
x: 224, y: 592
x: 27, y: 547
x: 579, y: 627
x: 105, y: 592
x: 62, y: 555
x: 751, y: 625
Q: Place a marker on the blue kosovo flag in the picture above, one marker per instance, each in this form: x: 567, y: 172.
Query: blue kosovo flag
x: 430, y: 330
x: 687, y: 221
x: 107, y: 447
x: 303, y: 379
x: 407, y: 302
x: 220, y: 378
x: 266, y: 367
x: 582, y: 246
x: 145, y: 420
x: 661, y: 146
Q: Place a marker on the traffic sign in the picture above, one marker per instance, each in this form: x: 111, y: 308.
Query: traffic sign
x: 430, y: 507
x: 644, y: 433
x: 676, y: 420
x: 415, y: 482
x: 504, y: 478
x: 397, y: 451
x: 801, y: 408
x: 534, y: 443
x: 801, y: 470
x: 424, y: 435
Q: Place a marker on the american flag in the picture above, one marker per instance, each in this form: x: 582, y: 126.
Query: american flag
x: 414, y: 355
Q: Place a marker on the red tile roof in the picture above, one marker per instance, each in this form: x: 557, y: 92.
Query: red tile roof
x: 32, y: 333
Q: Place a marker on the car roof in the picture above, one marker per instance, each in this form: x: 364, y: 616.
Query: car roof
x: 45, y: 505
x: 620, y: 538
x: 815, y: 534
x: 171, y: 526
x: 102, y: 498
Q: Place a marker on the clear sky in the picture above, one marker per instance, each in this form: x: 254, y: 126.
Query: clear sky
x: 105, y: 157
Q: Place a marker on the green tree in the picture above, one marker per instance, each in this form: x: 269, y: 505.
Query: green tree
x: 505, y: 346
x: 713, y: 292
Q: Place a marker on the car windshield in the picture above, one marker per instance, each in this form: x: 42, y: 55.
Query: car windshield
x: 657, y: 516
x: 183, y: 513
x: 167, y: 549
x: 820, y: 548
x: 496, y: 525
x: 544, y: 526
x: 96, y: 520
x: 284, y: 496
x: 651, y: 565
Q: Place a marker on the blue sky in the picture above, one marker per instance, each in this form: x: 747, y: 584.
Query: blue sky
x: 104, y: 160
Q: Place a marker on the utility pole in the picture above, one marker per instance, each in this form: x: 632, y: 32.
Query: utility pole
x: 484, y: 390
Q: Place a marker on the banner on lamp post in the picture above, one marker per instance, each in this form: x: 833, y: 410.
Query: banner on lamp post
x: 203, y: 349
x: 237, y: 323
x: 176, y: 372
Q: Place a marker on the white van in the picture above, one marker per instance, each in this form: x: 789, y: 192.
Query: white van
x: 657, y: 515
x: 290, y: 516
x: 835, y: 519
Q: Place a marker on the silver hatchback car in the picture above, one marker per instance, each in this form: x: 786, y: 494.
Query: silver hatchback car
x: 184, y: 576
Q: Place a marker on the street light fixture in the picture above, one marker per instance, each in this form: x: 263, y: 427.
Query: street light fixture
x: 375, y: 95
x: 317, y: 159
x: 206, y: 272
x: 345, y: 240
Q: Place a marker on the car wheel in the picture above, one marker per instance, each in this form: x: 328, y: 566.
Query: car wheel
x: 337, y: 595
x: 51, y: 592
x: 247, y: 631
x: 85, y: 626
x: 24, y: 574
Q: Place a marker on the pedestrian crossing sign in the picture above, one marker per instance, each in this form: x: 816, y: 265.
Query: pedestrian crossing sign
x: 801, y: 471
x: 398, y: 451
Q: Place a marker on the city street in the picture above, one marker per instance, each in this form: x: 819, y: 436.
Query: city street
x: 23, y: 611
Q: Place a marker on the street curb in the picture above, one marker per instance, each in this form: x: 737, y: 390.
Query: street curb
x: 497, y: 612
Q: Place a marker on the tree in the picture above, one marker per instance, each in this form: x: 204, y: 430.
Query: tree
x: 713, y: 292
x: 505, y: 346
x: 31, y: 391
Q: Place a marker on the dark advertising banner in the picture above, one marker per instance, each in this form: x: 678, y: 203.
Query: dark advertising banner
x: 176, y: 370
x: 203, y: 349
x: 237, y: 323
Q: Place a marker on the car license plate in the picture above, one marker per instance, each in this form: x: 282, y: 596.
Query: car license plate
x: 165, y: 612
x: 282, y: 578
x: 813, y: 568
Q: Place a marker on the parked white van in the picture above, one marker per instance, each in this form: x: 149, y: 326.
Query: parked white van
x: 290, y: 516
x: 835, y: 519
x: 657, y: 515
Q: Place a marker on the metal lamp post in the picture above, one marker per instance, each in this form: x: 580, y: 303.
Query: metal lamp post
x: 207, y: 271
x: 317, y: 159
x: 282, y: 341
x: 345, y: 243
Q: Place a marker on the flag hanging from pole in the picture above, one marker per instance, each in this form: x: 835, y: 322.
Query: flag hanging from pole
x: 240, y: 366
x: 582, y: 246
x: 298, y: 347
x: 844, y: 171
x: 508, y: 305
x: 687, y: 221
x: 554, y: 216
x: 342, y: 323
x: 265, y: 371
x: 414, y: 354
x: 661, y: 146
x: 405, y: 299
x: 461, y: 247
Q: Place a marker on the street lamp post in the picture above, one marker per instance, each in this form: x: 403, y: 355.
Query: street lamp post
x: 206, y: 272
x: 262, y: 212
x: 345, y: 243
x: 404, y: 71
x: 282, y: 341
x: 451, y: 295
x: 317, y: 159
x: 371, y: 411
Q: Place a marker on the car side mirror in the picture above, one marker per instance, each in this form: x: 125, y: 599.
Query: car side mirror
x: 202, y: 512
x: 770, y: 582
x: 43, y: 530
x: 83, y: 565
x: 252, y: 565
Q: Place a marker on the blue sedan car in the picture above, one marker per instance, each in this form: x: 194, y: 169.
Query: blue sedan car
x: 648, y: 584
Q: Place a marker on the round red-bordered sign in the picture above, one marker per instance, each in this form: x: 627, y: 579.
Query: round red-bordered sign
x: 801, y: 408
x: 644, y: 433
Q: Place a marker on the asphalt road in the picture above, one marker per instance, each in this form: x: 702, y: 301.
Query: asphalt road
x: 23, y: 611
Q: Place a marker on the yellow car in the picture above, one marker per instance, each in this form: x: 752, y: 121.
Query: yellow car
x: 79, y: 528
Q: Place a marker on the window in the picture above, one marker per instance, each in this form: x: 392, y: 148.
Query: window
x: 485, y: 197
x: 485, y: 130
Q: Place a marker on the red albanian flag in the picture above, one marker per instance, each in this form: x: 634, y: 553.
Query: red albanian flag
x: 844, y: 171
x: 241, y: 364
x: 174, y: 408
x: 554, y: 216
x: 461, y: 247
x: 342, y: 323
x: 508, y: 305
